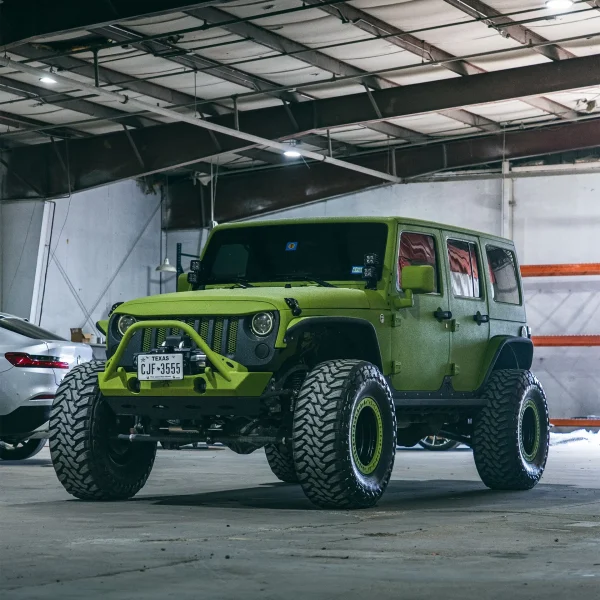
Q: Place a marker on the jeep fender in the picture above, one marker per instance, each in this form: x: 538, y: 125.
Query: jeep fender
x: 507, y: 352
x: 354, y: 337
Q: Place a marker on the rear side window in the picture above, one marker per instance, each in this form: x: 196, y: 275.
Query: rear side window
x: 417, y: 249
x: 464, y: 269
x: 503, y: 275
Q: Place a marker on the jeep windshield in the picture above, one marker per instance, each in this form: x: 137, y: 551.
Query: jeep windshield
x: 292, y: 252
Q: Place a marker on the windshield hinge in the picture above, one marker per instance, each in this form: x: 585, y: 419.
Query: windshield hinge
x: 294, y: 306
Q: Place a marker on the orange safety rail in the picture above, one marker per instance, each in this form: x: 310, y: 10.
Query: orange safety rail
x: 554, y: 341
x: 594, y: 423
x: 560, y: 270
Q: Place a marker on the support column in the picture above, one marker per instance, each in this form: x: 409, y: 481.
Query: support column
x: 506, y: 226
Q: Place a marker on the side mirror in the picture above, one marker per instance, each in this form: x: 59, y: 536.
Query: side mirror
x: 183, y: 284
x: 419, y: 280
x: 415, y: 280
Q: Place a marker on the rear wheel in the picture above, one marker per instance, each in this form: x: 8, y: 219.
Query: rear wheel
x: 281, y: 460
x: 88, y: 460
x: 344, y: 434
x: 20, y: 450
x: 511, y: 433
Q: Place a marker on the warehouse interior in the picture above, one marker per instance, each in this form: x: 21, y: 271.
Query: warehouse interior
x: 130, y: 129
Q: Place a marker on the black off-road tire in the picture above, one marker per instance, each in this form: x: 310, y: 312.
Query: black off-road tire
x: 281, y: 460
x: 21, y: 450
x: 511, y: 433
x: 89, y: 464
x: 329, y: 432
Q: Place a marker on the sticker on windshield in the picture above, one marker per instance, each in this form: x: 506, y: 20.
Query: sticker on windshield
x: 357, y: 270
x: 291, y: 246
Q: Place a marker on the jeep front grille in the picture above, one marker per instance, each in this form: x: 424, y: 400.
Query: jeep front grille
x: 220, y: 333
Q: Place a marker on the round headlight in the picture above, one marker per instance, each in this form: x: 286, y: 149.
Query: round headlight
x: 262, y: 323
x: 124, y: 323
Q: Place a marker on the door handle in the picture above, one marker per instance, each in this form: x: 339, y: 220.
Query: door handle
x: 479, y: 318
x: 442, y: 315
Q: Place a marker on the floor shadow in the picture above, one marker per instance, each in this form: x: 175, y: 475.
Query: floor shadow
x: 400, y: 495
x: 28, y: 462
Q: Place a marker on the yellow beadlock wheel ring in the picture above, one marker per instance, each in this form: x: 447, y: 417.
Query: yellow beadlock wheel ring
x: 366, y: 435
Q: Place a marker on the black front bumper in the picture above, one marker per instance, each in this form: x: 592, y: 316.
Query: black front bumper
x: 26, y: 419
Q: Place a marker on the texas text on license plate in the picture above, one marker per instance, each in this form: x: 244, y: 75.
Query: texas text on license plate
x: 160, y: 367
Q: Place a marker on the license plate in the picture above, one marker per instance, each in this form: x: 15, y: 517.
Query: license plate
x: 160, y: 367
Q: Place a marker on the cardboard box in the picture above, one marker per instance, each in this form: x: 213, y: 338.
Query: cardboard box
x: 77, y: 335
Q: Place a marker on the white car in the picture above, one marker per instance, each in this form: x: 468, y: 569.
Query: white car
x: 32, y: 364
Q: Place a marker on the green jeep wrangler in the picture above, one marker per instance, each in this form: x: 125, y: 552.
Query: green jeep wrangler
x: 328, y: 342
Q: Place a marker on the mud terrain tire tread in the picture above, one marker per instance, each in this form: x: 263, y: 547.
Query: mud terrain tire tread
x: 281, y: 460
x: 79, y: 463
x: 495, y: 438
x: 321, y: 435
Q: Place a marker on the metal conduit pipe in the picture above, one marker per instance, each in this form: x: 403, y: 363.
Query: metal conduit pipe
x: 171, y: 114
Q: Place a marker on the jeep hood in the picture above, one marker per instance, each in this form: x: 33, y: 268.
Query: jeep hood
x: 223, y: 301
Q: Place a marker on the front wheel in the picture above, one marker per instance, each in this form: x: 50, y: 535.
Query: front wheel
x: 511, y: 433
x: 88, y: 459
x: 344, y: 434
x: 20, y: 450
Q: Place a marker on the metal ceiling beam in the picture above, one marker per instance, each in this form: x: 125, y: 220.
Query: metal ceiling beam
x: 428, y: 52
x: 178, y: 55
x: 82, y: 67
x: 34, y: 92
x: 318, y: 59
x: 507, y: 27
x: 28, y: 20
x: 107, y: 158
x: 212, y: 127
x: 254, y: 193
x: 21, y: 122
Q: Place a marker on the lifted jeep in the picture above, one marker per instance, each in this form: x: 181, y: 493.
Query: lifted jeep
x: 327, y: 342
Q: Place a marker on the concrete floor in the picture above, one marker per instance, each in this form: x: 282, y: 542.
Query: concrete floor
x: 211, y: 524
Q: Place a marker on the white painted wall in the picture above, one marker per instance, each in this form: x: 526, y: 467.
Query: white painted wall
x: 20, y: 226
x: 105, y: 248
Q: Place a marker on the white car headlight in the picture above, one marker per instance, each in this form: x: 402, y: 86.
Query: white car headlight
x: 124, y: 323
x: 262, y: 323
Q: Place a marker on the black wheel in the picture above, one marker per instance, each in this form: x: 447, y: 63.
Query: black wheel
x: 437, y: 443
x: 20, y: 450
x: 511, y: 433
x: 281, y: 460
x: 88, y: 461
x: 344, y: 434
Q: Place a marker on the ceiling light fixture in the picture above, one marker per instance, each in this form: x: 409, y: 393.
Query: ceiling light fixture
x: 559, y: 4
x: 48, y: 78
x: 291, y: 153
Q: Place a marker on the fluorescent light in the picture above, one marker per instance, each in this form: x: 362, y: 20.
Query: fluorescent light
x: 47, y: 79
x: 559, y: 4
x: 292, y: 154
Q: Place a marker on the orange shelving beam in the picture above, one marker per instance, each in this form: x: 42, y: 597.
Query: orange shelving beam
x: 555, y: 341
x: 594, y: 423
x: 560, y: 270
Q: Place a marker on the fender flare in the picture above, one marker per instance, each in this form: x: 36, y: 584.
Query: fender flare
x: 507, y: 352
x: 369, y: 339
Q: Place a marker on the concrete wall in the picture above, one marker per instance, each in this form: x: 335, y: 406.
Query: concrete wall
x: 106, y: 244
x: 20, y: 227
